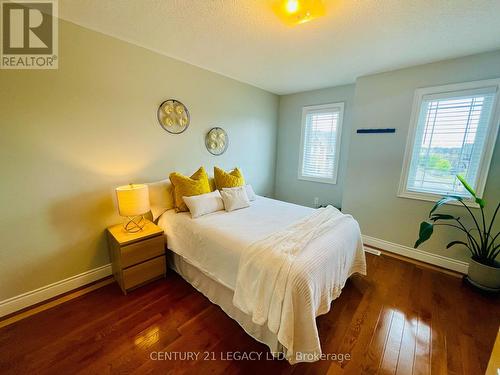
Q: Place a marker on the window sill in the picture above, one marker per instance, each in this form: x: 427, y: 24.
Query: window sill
x: 434, y: 198
x: 320, y: 180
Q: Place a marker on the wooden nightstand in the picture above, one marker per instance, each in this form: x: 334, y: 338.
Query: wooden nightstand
x: 136, y: 257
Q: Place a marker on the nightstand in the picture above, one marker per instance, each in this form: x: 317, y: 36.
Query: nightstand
x: 136, y: 258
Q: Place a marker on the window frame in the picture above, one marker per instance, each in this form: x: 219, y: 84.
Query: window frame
x: 339, y: 106
x: 486, y: 153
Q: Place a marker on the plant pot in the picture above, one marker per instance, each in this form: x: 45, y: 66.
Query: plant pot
x: 483, y: 276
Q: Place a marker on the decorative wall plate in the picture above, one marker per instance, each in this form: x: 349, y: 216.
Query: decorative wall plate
x: 173, y: 116
x: 216, y: 141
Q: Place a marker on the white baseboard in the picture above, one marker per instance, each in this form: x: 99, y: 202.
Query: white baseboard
x: 46, y: 292
x: 371, y: 251
x: 422, y: 256
x: 33, y: 297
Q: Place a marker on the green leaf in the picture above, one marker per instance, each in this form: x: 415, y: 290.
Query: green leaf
x: 436, y: 217
x: 449, y: 198
x: 481, y: 202
x: 453, y: 243
x: 469, y: 188
x: 466, y: 185
x: 424, y: 234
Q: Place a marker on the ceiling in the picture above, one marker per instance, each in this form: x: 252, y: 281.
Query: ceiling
x: 245, y: 40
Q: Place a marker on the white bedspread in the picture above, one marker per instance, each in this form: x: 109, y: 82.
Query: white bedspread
x: 215, y: 243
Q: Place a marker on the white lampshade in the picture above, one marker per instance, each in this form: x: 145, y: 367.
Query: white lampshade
x: 133, y: 199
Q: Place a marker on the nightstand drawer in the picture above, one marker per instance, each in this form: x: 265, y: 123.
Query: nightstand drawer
x: 140, y: 251
x: 143, y: 272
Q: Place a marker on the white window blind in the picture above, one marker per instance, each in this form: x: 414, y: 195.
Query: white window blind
x: 450, y: 138
x: 320, y: 142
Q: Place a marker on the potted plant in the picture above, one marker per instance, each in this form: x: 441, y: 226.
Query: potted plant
x: 484, y: 270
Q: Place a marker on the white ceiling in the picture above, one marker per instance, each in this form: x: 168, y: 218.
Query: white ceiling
x: 243, y: 39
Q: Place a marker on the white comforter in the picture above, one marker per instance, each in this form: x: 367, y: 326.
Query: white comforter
x: 263, y: 289
x: 316, y: 275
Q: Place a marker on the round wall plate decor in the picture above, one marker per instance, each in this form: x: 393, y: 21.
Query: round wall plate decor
x: 173, y: 116
x: 216, y: 141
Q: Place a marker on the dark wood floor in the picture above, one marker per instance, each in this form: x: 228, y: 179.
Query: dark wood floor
x: 399, y: 319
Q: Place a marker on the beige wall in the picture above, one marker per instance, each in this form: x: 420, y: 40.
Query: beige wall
x: 69, y: 136
x: 288, y: 186
x: 375, y: 161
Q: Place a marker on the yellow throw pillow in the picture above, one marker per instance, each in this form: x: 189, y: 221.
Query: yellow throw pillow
x: 224, y: 179
x: 188, y: 186
x: 211, y: 181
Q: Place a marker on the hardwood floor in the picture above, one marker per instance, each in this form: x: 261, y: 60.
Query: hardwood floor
x: 400, y: 319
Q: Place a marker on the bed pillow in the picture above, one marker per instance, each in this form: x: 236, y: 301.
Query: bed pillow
x: 235, y: 198
x: 250, y: 193
x: 211, y: 182
x: 188, y: 186
x: 225, y: 179
x: 161, y: 197
x: 249, y: 190
x: 204, y: 204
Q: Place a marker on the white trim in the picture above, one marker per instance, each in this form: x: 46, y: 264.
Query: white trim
x: 487, y: 153
x: 331, y: 181
x: 372, y: 251
x: 430, y: 197
x: 420, y: 255
x: 33, y: 297
x: 318, y: 108
x: 46, y: 292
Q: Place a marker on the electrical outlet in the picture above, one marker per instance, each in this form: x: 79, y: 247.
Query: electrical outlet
x: 316, y: 202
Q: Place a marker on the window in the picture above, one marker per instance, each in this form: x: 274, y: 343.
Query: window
x: 452, y: 131
x: 320, y: 143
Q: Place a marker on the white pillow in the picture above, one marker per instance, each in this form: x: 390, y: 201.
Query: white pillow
x: 250, y: 193
x: 235, y: 198
x: 203, y: 204
x: 161, y: 197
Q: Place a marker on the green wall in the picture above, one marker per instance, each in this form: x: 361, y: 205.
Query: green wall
x: 288, y: 186
x: 69, y: 136
x: 375, y: 161
x: 370, y: 164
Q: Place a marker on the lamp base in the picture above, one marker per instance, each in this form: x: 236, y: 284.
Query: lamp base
x: 134, y: 224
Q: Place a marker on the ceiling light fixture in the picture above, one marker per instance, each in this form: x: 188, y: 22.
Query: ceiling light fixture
x: 294, y: 12
x: 292, y: 6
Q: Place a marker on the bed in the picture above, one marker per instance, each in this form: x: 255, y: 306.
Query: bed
x: 207, y: 252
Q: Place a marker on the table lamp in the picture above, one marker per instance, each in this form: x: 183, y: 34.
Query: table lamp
x: 133, y: 203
